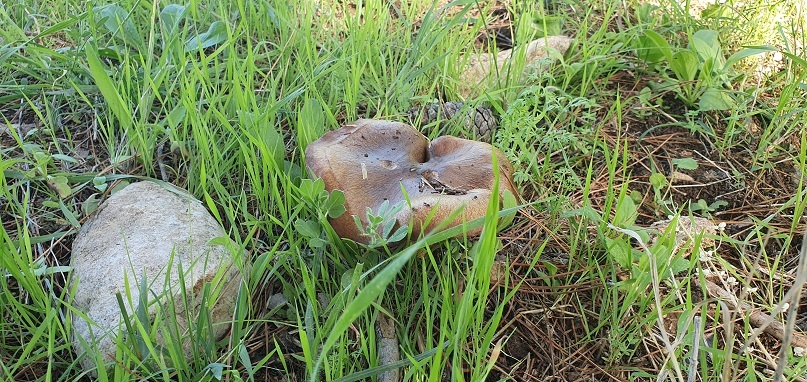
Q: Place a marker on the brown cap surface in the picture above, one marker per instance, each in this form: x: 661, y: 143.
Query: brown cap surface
x: 371, y: 161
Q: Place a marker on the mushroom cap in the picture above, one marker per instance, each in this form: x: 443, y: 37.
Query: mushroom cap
x: 373, y: 161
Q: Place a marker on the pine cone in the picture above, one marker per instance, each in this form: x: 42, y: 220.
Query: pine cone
x: 479, y: 120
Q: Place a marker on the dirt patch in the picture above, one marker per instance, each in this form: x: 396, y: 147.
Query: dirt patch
x: 544, y: 322
x: 729, y: 183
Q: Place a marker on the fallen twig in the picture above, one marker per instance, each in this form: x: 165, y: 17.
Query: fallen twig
x: 789, y: 332
x: 757, y: 319
x: 696, y: 341
x: 388, y: 351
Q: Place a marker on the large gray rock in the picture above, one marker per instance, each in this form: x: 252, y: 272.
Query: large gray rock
x: 145, y: 230
x: 480, y: 69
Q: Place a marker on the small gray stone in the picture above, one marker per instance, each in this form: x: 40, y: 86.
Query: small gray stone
x: 145, y: 230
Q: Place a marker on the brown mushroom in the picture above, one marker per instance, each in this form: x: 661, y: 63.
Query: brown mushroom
x: 372, y: 161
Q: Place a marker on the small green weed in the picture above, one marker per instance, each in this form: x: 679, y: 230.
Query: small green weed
x: 544, y: 122
x: 702, y: 76
x: 379, y: 227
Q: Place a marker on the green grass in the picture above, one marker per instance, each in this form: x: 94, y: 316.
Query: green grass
x: 222, y: 97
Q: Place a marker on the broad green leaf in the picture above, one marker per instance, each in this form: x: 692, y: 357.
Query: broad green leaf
x: 170, y: 17
x: 99, y: 182
x: 708, y: 70
x: 118, y: 22
x: 316, y: 242
x: 646, y: 12
x: 678, y: 264
x: 243, y: 357
x: 399, y: 234
x: 685, y: 65
x: 216, y: 369
x: 116, y: 160
x: 715, y: 99
x: 90, y: 204
x: 647, y: 51
x: 620, y: 251
x: 119, y: 186
x: 176, y: 116
x: 216, y: 34
x: 658, y: 180
x: 546, y: 25
x: 264, y: 135
x: 747, y: 52
x: 715, y: 11
x: 110, y: 53
x: 357, y: 221
x: 59, y: 184
x: 586, y: 211
x: 220, y: 240
x: 113, y: 98
x: 307, y: 228
x: 42, y: 159
x: 718, y: 204
x: 551, y: 269
x: 310, y: 123
x: 685, y: 163
x: 311, y: 189
x: 69, y: 214
x: 626, y: 212
x: 335, y: 206
x: 65, y: 158
x: 652, y: 47
x: 707, y: 44
x: 46, y: 271
x: 508, y: 201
